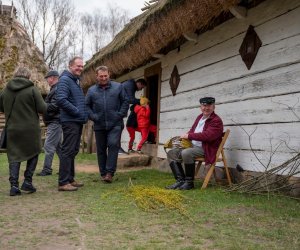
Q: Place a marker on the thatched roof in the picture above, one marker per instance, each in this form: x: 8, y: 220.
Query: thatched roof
x: 16, y: 49
x: 150, y: 32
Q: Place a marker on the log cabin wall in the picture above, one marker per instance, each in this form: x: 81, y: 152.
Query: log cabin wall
x: 264, y: 100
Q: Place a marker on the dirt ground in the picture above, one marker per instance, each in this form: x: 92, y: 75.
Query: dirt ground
x: 46, y: 219
x: 90, y: 168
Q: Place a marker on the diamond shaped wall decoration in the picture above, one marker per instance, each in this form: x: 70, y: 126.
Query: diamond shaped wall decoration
x: 174, y: 80
x: 250, y: 47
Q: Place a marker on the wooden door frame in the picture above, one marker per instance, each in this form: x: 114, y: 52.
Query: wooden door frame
x: 148, y: 72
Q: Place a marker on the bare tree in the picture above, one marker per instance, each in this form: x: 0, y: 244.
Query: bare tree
x: 86, y: 21
x: 52, y: 28
x: 117, y: 18
x: 48, y: 25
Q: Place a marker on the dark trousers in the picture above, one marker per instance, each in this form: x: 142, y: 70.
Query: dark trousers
x: 14, y: 170
x: 107, y: 142
x: 70, y: 148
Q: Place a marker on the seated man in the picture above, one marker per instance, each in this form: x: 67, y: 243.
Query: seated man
x: 206, y: 135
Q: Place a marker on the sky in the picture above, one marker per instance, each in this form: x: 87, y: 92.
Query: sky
x: 132, y: 6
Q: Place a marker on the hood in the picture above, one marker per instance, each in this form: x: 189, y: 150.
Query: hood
x: 18, y: 83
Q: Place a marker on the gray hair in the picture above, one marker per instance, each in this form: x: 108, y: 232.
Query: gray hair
x: 22, y: 72
x: 102, y: 68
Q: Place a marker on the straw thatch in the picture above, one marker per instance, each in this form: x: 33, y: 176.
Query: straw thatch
x: 16, y: 49
x: 147, y: 34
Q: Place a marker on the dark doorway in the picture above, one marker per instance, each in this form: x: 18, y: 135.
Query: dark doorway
x: 152, y: 89
x: 152, y: 92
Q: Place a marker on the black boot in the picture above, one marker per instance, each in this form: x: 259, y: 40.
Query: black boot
x: 14, y: 169
x: 189, y: 177
x: 30, y: 167
x: 178, y: 173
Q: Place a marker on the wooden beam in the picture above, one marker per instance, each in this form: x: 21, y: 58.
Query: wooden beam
x: 238, y: 11
x: 191, y: 37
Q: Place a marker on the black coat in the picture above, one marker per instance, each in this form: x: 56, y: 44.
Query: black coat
x: 52, y: 114
x: 132, y: 118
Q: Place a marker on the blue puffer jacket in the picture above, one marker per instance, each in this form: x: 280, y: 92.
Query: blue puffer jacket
x: 70, y: 99
x: 107, y: 106
x: 130, y: 89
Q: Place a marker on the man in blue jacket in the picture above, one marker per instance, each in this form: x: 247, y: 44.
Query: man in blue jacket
x: 107, y: 105
x: 71, y: 102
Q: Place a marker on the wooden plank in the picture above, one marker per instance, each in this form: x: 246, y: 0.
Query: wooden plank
x: 247, y: 160
x: 272, y: 56
x: 256, y: 111
x: 217, y: 42
x: 274, y: 82
x: 264, y: 136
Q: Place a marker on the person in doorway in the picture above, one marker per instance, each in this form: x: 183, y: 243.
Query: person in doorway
x: 51, y: 119
x: 71, y: 103
x: 131, y: 87
x: 206, y: 135
x: 22, y: 103
x: 143, y: 124
x: 107, y: 105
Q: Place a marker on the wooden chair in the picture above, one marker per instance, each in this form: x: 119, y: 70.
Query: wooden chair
x: 220, y: 157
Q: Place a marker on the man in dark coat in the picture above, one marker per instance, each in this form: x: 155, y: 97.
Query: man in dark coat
x: 51, y: 119
x: 206, y: 136
x: 71, y: 102
x: 107, y: 105
x: 21, y: 102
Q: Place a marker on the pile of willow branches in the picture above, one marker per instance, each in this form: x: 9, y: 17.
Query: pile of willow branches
x: 273, y: 181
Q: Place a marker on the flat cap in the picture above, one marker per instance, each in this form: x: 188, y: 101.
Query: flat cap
x: 52, y: 73
x: 207, y: 100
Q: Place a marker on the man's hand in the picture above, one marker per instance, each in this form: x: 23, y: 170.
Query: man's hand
x: 185, y: 136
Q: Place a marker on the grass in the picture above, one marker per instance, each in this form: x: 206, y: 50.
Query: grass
x: 102, y: 216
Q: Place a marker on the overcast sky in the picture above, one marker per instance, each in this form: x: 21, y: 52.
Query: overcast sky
x: 132, y: 6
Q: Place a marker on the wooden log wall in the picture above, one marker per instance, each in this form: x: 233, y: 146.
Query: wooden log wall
x: 265, y: 98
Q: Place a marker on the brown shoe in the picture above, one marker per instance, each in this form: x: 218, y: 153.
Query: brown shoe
x: 108, y: 178
x: 67, y: 187
x: 77, y: 184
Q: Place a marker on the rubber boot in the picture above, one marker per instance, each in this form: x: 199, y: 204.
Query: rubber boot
x: 178, y: 173
x: 14, y: 169
x: 189, y: 177
x: 30, y: 168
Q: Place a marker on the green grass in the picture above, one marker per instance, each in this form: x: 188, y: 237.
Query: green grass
x: 101, y: 216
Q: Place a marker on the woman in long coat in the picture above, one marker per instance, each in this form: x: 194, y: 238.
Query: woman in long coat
x: 21, y: 102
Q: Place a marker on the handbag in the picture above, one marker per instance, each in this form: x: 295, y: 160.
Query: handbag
x: 3, y: 139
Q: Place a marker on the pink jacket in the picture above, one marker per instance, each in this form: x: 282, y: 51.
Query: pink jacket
x: 211, y: 136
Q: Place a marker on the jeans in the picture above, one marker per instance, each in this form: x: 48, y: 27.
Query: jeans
x: 52, y: 145
x: 70, y: 148
x: 14, y: 169
x: 108, y: 143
